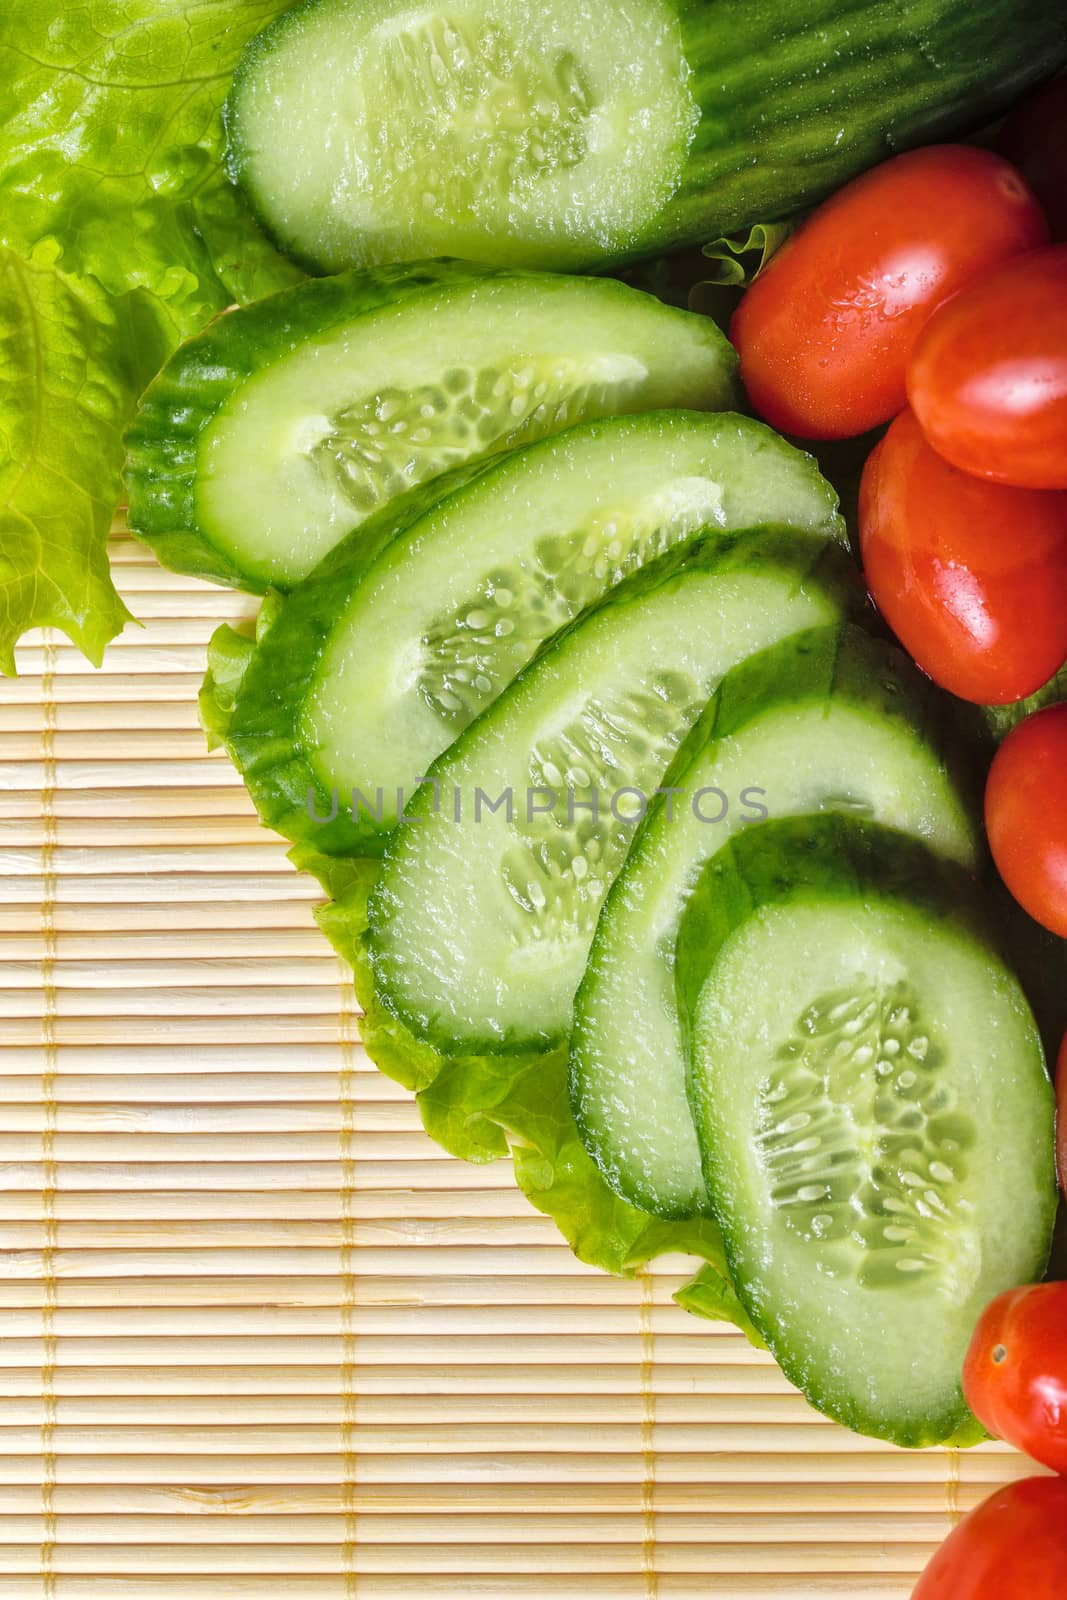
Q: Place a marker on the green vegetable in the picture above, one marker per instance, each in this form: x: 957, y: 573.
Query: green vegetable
x: 72, y: 361
x: 1000, y: 720
x: 582, y: 133
x: 874, y: 1116
x: 831, y: 720
x: 481, y: 925
x: 286, y: 426
x: 111, y: 142
x: 474, y: 585
x: 121, y: 235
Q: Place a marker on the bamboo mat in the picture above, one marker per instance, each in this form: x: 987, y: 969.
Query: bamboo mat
x: 258, y: 1335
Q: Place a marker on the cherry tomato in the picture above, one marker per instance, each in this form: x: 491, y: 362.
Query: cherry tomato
x: 988, y: 376
x: 826, y: 330
x: 1061, y: 1115
x: 1015, y: 1372
x: 1011, y: 1547
x: 1026, y: 815
x: 971, y: 576
x: 1034, y: 138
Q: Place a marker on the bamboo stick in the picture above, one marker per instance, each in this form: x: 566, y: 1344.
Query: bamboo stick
x: 90, y: 1095
x: 477, y: 1557
x: 265, y: 855
x: 165, y: 946
x: 490, y: 1526
x: 463, y: 1503
x: 430, y: 1171
x: 524, y: 1465
x: 452, y: 1197
x: 212, y: 1059
x: 97, y: 686
x: 242, y: 1028
x: 317, y: 970
x: 548, y: 1261
x: 468, y: 1586
x: 96, y: 832
x: 396, y: 1308
x: 694, y: 1381
x: 326, y: 1413
x: 315, y: 1348
x: 23, y: 719
x: 199, y: 889
x: 289, y: 910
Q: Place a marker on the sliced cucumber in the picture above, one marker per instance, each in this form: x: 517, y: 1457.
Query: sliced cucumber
x: 853, y: 1040
x: 284, y: 426
x: 480, y: 927
x: 831, y: 720
x: 572, y: 133
x: 474, y: 587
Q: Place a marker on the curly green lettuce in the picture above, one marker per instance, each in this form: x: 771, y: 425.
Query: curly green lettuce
x: 122, y: 236
x: 72, y: 362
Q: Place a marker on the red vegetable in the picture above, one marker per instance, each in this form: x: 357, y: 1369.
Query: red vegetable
x: 1034, y: 138
x: 1015, y: 1372
x: 1026, y: 815
x: 826, y: 330
x: 1012, y: 1547
x: 970, y: 575
x: 988, y: 377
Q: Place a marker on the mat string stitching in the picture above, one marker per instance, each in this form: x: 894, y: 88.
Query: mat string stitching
x: 49, y: 1108
x: 348, y: 1280
x: 648, y: 1433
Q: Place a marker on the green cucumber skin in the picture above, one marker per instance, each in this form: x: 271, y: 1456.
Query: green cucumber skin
x: 812, y: 667
x: 808, y: 96
x: 794, y: 101
x: 834, y: 858
x: 810, y: 559
x: 163, y: 440
x: 263, y: 737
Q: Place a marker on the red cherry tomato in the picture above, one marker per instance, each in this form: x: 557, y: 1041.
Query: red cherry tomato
x: 1015, y: 1372
x: 1026, y: 815
x: 826, y: 330
x: 1034, y: 138
x: 1061, y: 1115
x: 1012, y: 1547
x: 971, y: 576
x: 988, y: 376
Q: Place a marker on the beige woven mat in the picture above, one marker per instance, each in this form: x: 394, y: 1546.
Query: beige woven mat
x: 258, y: 1335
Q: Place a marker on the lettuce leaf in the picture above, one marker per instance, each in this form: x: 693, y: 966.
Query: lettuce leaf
x: 72, y: 362
x: 111, y: 147
x: 122, y: 235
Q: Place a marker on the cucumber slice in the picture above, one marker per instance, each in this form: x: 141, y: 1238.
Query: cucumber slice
x: 285, y: 425
x: 853, y: 1040
x: 480, y: 927
x: 574, y: 133
x: 831, y: 720
x: 470, y: 592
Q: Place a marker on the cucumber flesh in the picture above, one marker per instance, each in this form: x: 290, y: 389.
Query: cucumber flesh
x: 853, y: 1039
x: 833, y: 720
x: 479, y: 582
x: 479, y: 928
x: 442, y: 126
x: 580, y: 133
x: 286, y: 425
